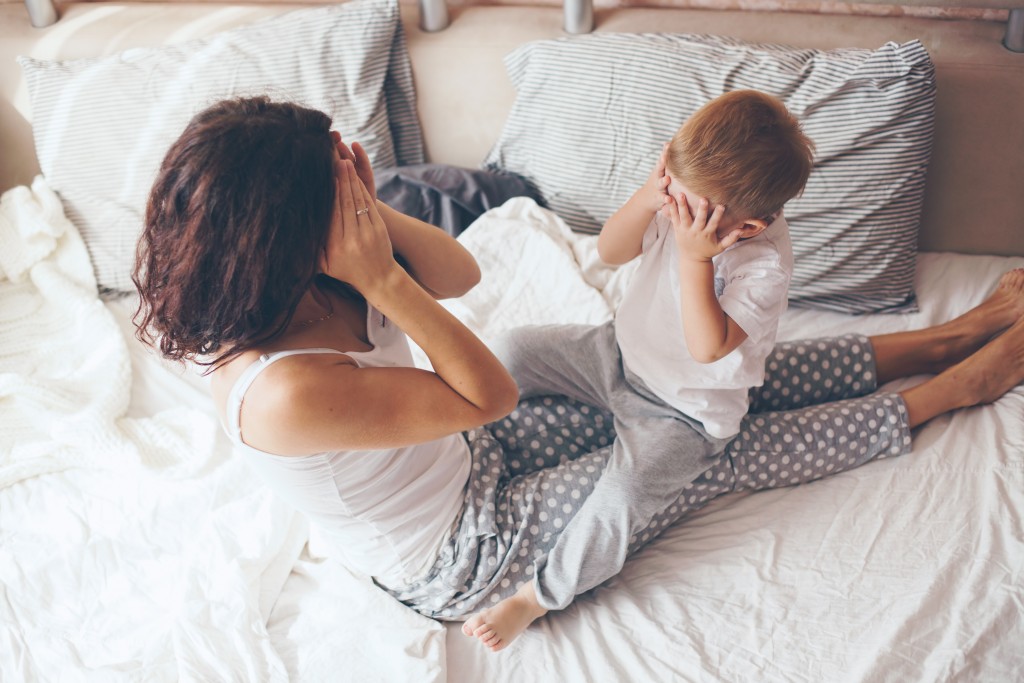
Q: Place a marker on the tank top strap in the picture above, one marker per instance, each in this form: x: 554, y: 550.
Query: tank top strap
x: 248, y: 376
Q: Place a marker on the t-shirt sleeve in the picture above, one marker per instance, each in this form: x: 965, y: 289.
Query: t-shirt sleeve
x: 755, y: 296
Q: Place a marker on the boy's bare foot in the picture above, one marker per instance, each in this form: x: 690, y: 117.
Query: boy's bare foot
x: 498, y: 626
x: 982, y: 377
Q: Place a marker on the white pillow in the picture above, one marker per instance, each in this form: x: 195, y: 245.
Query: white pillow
x: 102, y: 126
x: 591, y: 113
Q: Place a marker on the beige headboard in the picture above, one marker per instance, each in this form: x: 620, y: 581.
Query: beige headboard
x: 975, y: 194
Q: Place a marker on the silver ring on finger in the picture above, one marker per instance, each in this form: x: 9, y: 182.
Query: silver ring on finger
x: 363, y: 211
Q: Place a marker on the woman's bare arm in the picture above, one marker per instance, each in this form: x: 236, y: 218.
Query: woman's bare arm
x: 330, y: 403
x: 435, y: 260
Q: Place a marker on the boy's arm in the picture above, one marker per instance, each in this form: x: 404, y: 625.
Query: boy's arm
x: 710, y: 334
x: 621, y: 238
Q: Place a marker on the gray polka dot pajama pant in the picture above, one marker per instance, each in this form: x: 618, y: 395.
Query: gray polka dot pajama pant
x: 534, y: 470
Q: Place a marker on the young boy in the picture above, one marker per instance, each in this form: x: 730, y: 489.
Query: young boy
x: 688, y: 342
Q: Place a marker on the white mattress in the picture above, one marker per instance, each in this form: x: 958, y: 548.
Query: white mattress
x: 134, y: 547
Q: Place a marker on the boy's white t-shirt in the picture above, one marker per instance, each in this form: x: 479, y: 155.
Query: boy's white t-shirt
x: 752, y: 283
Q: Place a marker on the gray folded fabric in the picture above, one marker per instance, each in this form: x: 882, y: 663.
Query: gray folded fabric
x: 449, y: 197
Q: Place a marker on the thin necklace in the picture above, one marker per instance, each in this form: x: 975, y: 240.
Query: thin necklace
x: 326, y: 316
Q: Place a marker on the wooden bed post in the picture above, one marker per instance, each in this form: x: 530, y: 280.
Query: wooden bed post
x: 41, y: 12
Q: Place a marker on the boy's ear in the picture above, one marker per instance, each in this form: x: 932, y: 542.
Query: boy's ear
x: 752, y: 227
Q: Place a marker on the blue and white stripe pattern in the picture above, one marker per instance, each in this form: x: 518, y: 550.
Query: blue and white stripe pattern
x: 103, y: 125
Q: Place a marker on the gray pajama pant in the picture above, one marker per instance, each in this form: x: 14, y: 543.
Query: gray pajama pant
x: 567, y: 486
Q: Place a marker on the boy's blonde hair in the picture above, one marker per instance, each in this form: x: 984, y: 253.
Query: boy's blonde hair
x: 744, y: 150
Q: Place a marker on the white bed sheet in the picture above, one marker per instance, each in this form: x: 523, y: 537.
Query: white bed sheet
x: 902, y: 570
x: 182, y: 567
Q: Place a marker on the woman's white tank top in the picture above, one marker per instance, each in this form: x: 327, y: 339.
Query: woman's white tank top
x: 386, y: 513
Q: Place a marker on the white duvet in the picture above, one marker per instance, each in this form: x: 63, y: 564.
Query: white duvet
x: 134, y: 547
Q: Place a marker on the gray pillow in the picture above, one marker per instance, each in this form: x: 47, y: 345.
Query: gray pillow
x: 592, y: 112
x: 102, y: 126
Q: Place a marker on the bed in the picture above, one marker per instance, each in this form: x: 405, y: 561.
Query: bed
x: 133, y: 546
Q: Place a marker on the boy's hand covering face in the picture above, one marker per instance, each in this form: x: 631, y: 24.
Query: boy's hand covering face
x: 697, y: 233
x: 656, y: 188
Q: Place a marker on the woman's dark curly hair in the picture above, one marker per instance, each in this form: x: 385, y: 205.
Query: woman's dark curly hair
x: 236, y: 219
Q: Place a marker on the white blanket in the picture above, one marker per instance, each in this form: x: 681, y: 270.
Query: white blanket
x: 134, y: 547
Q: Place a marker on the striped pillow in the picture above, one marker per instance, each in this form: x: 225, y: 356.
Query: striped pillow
x: 102, y: 126
x: 592, y: 112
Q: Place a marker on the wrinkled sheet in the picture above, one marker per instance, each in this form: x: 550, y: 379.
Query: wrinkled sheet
x: 133, y: 546
x: 902, y: 570
x: 151, y: 554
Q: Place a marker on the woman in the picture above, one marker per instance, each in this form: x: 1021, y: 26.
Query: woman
x: 266, y: 256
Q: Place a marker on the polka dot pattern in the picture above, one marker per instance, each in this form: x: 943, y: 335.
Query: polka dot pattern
x: 547, y: 431
x: 812, y: 372
x: 794, y: 447
x: 533, y: 471
x: 714, y: 482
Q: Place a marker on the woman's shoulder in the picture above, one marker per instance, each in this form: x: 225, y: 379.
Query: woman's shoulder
x: 280, y: 400
x: 268, y: 377
x: 277, y: 367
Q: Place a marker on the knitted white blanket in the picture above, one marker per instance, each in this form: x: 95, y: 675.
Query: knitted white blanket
x: 65, y: 371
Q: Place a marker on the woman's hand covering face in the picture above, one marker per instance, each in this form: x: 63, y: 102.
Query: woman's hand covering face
x: 358, y: 156
x: 358, y: 249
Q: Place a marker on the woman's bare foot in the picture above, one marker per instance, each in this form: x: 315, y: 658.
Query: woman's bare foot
x: 995, y: 369
x: 1002, y: 308
x: 498, y: 626
x: 1005, y: 305
x: 934, y: 349
x: 982, y: 377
